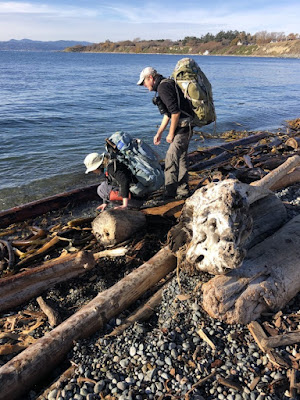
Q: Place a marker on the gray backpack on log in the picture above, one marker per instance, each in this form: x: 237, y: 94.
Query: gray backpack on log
x: 141, y: 160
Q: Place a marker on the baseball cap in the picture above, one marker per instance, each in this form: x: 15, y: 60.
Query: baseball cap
x: 146, y: 72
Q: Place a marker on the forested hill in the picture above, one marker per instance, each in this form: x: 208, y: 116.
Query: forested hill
x: 224, y: 43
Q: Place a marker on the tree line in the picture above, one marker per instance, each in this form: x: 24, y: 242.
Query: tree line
x: 207, y: 42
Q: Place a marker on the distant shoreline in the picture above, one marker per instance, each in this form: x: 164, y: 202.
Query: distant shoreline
x: 295, y: 56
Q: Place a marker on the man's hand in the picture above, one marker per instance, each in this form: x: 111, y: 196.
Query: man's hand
x: 101, y: 207
x: 170, y: 138
x: 157, y: 138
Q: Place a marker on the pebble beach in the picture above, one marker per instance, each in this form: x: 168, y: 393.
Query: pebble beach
x: 180, y: 353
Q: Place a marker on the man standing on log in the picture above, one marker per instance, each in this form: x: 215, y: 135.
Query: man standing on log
x: 175, y: 108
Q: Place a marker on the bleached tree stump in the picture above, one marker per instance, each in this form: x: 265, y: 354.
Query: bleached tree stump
x: 268, y: 279
x: 116, y: 225
x: 216, y: 222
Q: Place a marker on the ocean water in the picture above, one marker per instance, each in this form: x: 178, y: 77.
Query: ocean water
x: 58, y: 107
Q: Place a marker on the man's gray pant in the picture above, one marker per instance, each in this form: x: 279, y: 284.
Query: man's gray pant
x: 176, y: 164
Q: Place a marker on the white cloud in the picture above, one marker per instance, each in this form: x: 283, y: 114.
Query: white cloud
x: 98, y: 22
x: 15, y: 8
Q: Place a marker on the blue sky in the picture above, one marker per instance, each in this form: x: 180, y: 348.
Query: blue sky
x: 97, y: 20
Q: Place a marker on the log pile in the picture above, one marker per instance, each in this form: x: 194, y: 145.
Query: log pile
x: 253, y: 286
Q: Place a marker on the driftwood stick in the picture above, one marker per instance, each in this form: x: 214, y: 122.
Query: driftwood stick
x: 204, y: 337
x: 24, y: 370
x: 118, y: 252
x: 258, y: 334
x: 281, y: 340
x: 293, y: 384
x: 51, y: 314
x: 63, y: 377
x: 143, y: 313
x: 260, y: 337
x: 230, y: 384
x: 199, y: 383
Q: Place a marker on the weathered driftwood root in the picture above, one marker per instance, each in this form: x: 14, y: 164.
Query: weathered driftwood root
x: 116, y: 225
x: 216, y: 222
x: 214, y: 225
x: 20, y: 373
x: 17, y: 289
x: 268, y: 279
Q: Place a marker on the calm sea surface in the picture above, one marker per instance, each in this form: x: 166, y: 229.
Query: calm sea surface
x: 58, y: 107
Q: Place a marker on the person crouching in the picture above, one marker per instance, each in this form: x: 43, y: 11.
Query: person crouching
x: 117, y: 179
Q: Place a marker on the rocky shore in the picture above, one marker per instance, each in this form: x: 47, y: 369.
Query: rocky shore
x: 166, y: 358
x: 179, y: 353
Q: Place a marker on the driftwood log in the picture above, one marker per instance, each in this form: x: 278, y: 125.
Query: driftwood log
x: 17, y: 289
x: 199, y: 155
x: 28, y: 367
x: 289, y: 179
x: 39, y: 207
x: 116, y: 225
x: 268, y: 279
x: 216, y: 221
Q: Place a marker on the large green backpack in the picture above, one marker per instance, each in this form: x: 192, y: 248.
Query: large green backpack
x: 196, y: 87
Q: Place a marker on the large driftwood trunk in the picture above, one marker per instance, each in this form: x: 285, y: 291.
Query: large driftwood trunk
x: 268, y: 279
x: 17, y: 289
x: 268, y: 215
x: 116, y: 225
x: 216, y: 223
x: 39, y: 207
x: 19, y: 374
